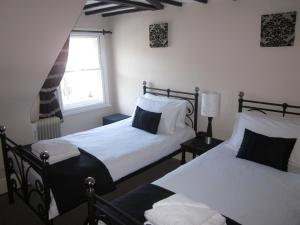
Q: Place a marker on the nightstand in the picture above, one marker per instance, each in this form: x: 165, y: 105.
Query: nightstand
x: 197, y: 146
x: 113, y: 118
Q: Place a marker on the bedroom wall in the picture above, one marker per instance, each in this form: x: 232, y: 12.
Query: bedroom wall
x: 32, y: 34
x: 215, y: 46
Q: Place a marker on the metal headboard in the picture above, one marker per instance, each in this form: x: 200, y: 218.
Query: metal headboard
x: 261, y: 106
x: 191, y: 98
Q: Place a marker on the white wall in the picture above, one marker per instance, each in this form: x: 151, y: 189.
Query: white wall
x: 215, y: 46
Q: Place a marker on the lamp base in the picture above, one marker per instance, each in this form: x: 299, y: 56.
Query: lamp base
x: 207, y: 140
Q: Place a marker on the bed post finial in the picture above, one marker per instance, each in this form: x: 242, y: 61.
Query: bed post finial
x: 144, y: 86
x: 241, y: 95
x: 90, y: 191
x: 2, y: 129
x: 197, y: 89
x: 90, y: 184
x: 44, y: 156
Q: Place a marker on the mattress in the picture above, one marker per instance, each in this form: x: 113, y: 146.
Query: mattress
x: 125, y: 149
x: 122, y: 148
x: 249, y: 193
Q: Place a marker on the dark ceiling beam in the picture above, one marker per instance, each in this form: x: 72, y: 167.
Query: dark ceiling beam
x: 122, y: 12
x: 93, y: 5
x: 171, y: 2
x: 202, y: 1
x: 106, y: 9
x: 138, y: 5
x: 156, y: 4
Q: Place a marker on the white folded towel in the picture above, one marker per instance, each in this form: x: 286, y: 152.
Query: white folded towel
x: 180, y: 210
x: 58, y: 149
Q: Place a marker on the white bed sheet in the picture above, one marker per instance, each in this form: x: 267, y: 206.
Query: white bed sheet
x: 250, y: 193
x: 122, y: 148
x: 125, y: 149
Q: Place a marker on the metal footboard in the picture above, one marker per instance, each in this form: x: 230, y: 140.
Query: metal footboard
x: 101, y: 210
x: 19, y: 163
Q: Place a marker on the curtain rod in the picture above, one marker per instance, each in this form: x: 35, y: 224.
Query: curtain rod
x: 93, y: 31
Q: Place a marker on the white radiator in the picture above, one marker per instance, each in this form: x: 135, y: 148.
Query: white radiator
x: 46, y: 129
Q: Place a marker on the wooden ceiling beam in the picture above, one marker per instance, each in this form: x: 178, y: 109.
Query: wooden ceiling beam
x: 202, y: 1
x: 122, y: 12
x: 106, y: 9
x: 138, y: 5
x: 93, y: 5
x: 171, y: 2
x: 156, y: 4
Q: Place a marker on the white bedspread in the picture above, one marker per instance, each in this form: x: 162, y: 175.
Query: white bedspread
x: 125, y: 149
x: 122, y: 148
x: 250, y: 193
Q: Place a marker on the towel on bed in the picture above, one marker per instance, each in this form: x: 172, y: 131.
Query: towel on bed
x: 58, y: 149
x: 180, y: 210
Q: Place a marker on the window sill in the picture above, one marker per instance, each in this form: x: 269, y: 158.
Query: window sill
x: 79, y: 110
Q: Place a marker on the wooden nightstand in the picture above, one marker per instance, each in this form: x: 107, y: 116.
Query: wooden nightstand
x: 113, y: 118
x: 197, y: 146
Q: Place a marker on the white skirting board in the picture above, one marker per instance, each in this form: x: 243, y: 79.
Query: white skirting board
x: 3, y: 188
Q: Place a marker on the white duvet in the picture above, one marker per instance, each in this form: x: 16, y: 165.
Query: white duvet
x: 125, y: 149
x: 122, y: 148
x: 250, y: 193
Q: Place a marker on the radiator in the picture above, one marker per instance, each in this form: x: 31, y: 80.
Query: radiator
x: 46, y: 129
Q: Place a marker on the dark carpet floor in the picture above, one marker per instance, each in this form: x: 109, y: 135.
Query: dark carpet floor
x: 20, y: 214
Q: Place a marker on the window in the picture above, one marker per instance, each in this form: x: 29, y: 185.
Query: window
x: 82, y: 86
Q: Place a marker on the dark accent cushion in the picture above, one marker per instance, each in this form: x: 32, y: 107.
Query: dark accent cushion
x: 270, y: 151
x: 145, y: 120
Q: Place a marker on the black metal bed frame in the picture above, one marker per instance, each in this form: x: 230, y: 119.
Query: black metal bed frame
x: 260, y: 106
x: 19, y: 160
x: 99, y: 209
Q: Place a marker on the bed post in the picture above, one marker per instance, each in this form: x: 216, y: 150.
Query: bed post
x: 90, y: 184
x: 44, y: 156
x: 241, y: 95
x: 144, y: 86
x: 196, y: 109
x: 6, y: 164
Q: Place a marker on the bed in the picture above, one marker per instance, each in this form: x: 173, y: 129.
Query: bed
x: 245, y: 192
x: 32, y: 178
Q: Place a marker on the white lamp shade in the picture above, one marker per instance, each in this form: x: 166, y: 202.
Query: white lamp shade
x: 210, y: 104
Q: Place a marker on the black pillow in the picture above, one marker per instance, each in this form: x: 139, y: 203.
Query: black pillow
x: 145, y: 120
x: 270, y: 151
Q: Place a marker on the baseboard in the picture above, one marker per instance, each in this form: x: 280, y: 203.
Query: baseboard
x: 3, y: 187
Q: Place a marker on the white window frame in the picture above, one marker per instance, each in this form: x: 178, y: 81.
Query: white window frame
x: 103, y: 67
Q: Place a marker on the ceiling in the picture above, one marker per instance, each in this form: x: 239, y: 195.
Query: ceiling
x: 116, y: 7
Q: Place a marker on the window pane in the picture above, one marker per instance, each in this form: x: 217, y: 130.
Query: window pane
x: 81, y: 88
x: 83, y: 53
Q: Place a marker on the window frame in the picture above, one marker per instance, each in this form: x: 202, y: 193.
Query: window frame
x: 103, y: 75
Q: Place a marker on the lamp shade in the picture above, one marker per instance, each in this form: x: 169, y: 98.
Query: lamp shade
x: 210, y: 104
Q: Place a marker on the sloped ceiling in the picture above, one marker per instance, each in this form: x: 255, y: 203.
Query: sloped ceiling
x: 32, y: 34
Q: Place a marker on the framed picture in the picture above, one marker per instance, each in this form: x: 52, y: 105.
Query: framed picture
x: 278, y: 30
x: 158, y: 35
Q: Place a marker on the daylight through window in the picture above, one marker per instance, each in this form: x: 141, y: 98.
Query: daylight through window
x: 82, y: 84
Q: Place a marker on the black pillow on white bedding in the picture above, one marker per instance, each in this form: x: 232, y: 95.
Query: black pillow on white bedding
x: 145, y: 120
x: 270, y: 151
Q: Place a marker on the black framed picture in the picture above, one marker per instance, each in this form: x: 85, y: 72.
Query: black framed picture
x: 158, y: 35
x: 278, y: 30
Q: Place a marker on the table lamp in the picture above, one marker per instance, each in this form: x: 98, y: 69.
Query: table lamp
x: 210, y: 107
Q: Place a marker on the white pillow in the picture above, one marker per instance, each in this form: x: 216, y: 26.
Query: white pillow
x: 269, y: 126
x: 169, y: 113
x: 181, y: 104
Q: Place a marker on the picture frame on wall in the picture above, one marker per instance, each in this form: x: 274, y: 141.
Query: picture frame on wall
x: 278, y: 30
x: 158, y: 35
